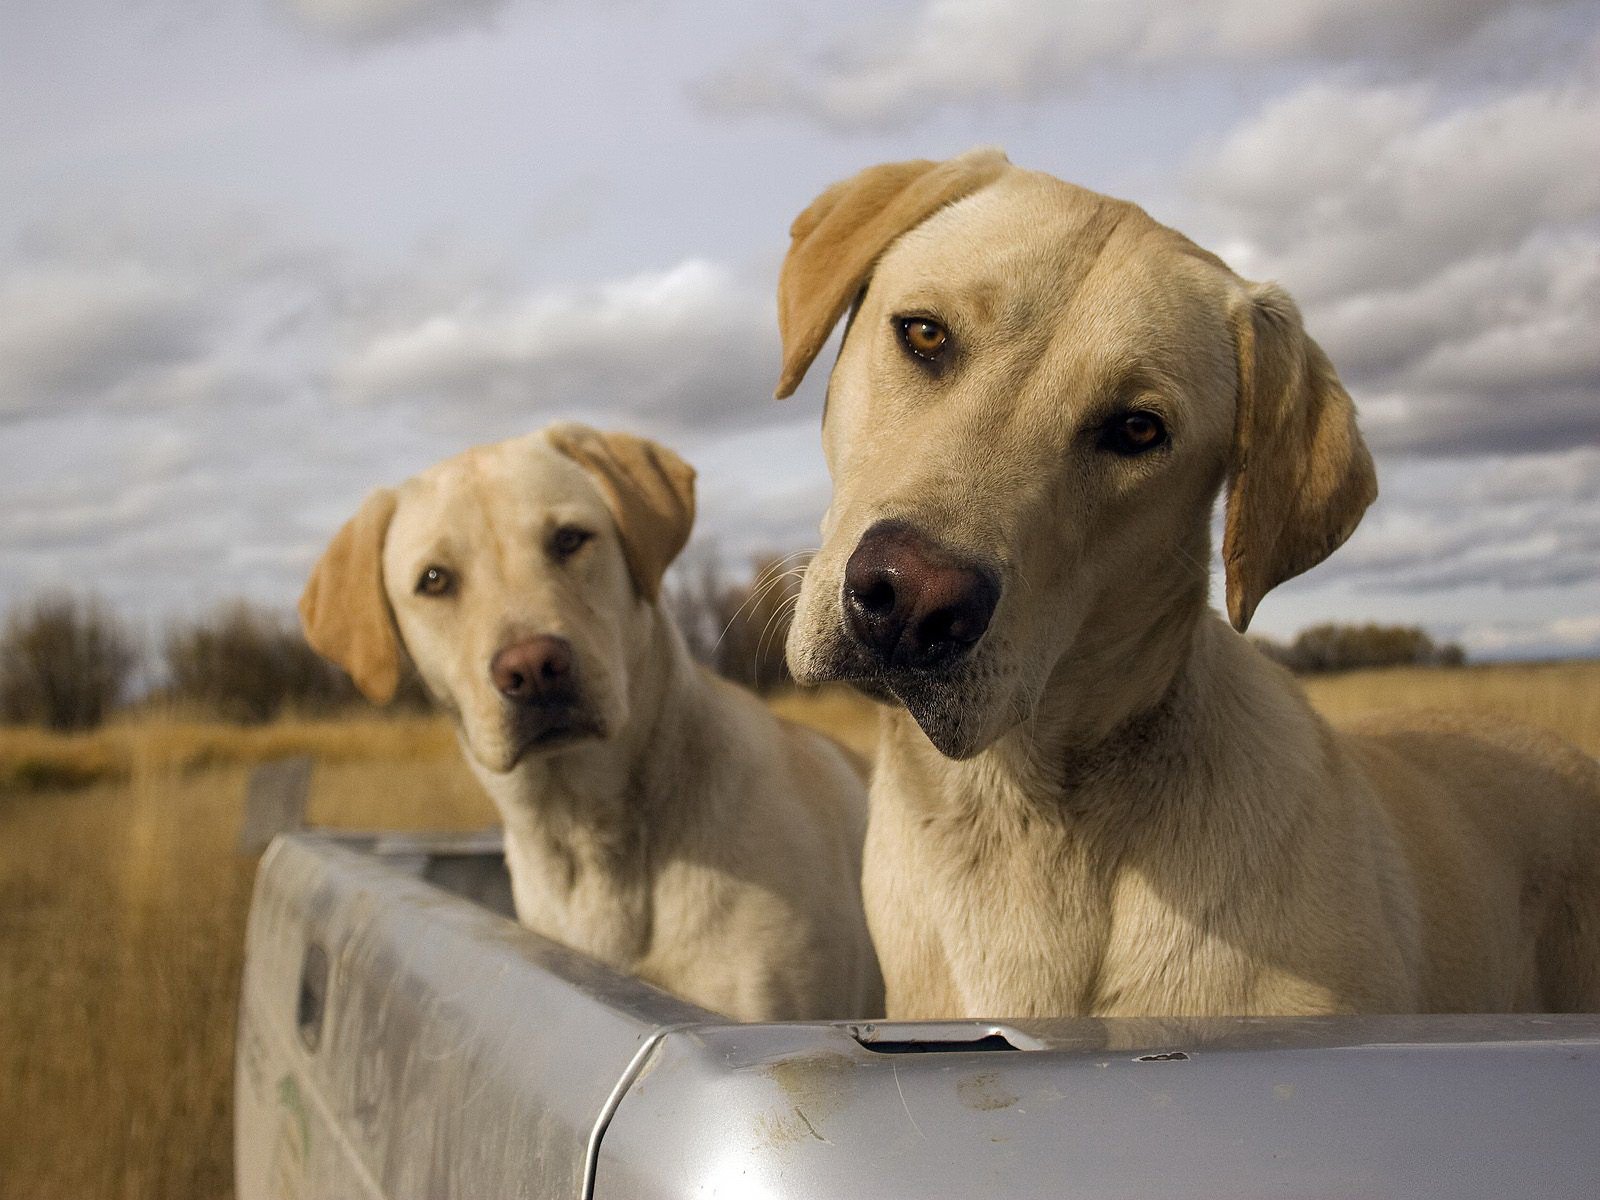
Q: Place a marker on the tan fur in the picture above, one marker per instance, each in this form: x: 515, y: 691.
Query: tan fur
x: 1130, y: 811
x: 842, y: 232
x: 650, y: 490
x: 693, y: 838
x: 1301, y: 475
x: 343, y: 610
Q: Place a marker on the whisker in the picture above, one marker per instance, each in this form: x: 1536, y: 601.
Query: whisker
x: 767, y: 580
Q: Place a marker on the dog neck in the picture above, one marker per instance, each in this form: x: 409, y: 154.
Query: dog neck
x: 1127, y: 677
x: 1146, y: 704
x: 586, y: 826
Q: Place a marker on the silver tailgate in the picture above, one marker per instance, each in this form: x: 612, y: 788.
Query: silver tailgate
x: 398, y: 1040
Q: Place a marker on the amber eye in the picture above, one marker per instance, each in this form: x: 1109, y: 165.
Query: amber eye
x: 435, y: 581
x: 1132, y: 433
x: 924, y: 338
x: 568, y: 540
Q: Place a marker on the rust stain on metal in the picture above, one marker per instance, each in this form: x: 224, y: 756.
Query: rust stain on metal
x: 985, y: 1092
x: 816, y: 1086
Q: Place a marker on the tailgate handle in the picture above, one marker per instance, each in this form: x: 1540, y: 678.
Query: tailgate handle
x: 312, y: 1000
x: 941, y: 1037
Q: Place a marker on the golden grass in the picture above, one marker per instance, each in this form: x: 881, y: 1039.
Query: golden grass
x: 31, y: 759
x: 122, y: 909
x: 1562, y: 697
x: 842, y: 714
x: 122, y: 904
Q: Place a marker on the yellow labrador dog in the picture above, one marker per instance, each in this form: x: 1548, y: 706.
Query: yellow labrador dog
x: 657, y: 817
x: 1095, y: 797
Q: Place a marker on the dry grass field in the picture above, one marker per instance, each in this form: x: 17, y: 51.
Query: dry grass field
x: 122, y: 908
x: 122, y: 903
x: 1562, y: 697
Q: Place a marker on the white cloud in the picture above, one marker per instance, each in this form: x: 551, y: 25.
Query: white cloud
x: 1445, y: 249
x: 1344, y: 186
x: 1500, y: 553
x: 1557, y: 637
x: 686, y: 344
x: 105, y: 310
x: 373, y: 20
x: 193, y: 404
x: 70, y: 331
x: 887, y: 71
x: 1515, y: 523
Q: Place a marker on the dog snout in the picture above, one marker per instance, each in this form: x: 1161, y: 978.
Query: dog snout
x: 537, y: 670
x: 912, y: 603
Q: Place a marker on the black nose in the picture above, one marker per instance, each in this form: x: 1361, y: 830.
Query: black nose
x: 535, y: 671
x: 914, y: 603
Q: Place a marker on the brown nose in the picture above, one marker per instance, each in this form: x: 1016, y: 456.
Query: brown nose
x: 913, y: 603
x: 535, y: 671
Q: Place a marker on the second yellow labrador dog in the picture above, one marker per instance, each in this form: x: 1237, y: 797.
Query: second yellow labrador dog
x: 657, y: 817
x: 1094, y: 796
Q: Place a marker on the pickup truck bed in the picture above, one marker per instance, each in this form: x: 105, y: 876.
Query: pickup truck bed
x: 401, y: 1036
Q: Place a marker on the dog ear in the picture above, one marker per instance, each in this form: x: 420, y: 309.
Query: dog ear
x: 1301, y: 476
x: 837, y: 239
x: 650, y: 492
x: 344, y: 611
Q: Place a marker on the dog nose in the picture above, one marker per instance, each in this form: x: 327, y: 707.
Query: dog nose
x: 535, y: 671
x: 914, y: 603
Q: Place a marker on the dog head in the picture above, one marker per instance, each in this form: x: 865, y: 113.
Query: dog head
x: 518, y: 577
x: 1039, y: 393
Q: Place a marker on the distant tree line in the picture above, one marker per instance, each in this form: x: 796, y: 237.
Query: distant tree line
x: 68, y: 662
x: 64, y: 663
x: 1324, y: 648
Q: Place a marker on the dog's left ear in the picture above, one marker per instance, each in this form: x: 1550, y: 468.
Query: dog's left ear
x: 344, y: 612
x: 1301, y: 476
x: 837, y: 240
x: 650, y: 492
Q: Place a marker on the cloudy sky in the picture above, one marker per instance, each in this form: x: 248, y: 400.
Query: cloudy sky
x: 259, y: 256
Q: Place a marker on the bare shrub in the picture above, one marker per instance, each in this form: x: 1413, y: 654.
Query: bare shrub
x: 738, y: 628
x: 1332, y: 647
x: 247, y: 664
x: 65, y: 662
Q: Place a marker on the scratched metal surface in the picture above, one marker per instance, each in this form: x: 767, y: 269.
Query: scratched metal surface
x: 460, y: 1056
x: 456, y: 1055
x: 1397, y: 1107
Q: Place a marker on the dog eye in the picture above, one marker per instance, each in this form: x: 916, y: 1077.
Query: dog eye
x: 568, y: 540
x: 924, y: 338
x: 1132, y: 433
x: 435, y: 581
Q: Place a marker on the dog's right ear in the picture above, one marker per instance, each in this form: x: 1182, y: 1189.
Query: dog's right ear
x: 1301, y: 475
x: 344, y: 612
x: 836, y: 241
x: 648, y: 488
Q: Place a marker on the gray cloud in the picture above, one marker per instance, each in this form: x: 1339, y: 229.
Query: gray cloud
x: 1444, y: 246
x: 71, y: 332
x: 1347, y: 187
x: 192, y: 401
x: 886, y: 72
x: 1517, y: 523
x: 687, y: 346
x: 1499, y: 552
x: 193, y: 408
x: 1555, y: 637
x: 138, y: 309
x: 358, y: 21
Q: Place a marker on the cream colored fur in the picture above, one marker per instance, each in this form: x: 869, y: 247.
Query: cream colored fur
x: 692, y: 838
x: 1115, y: 805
